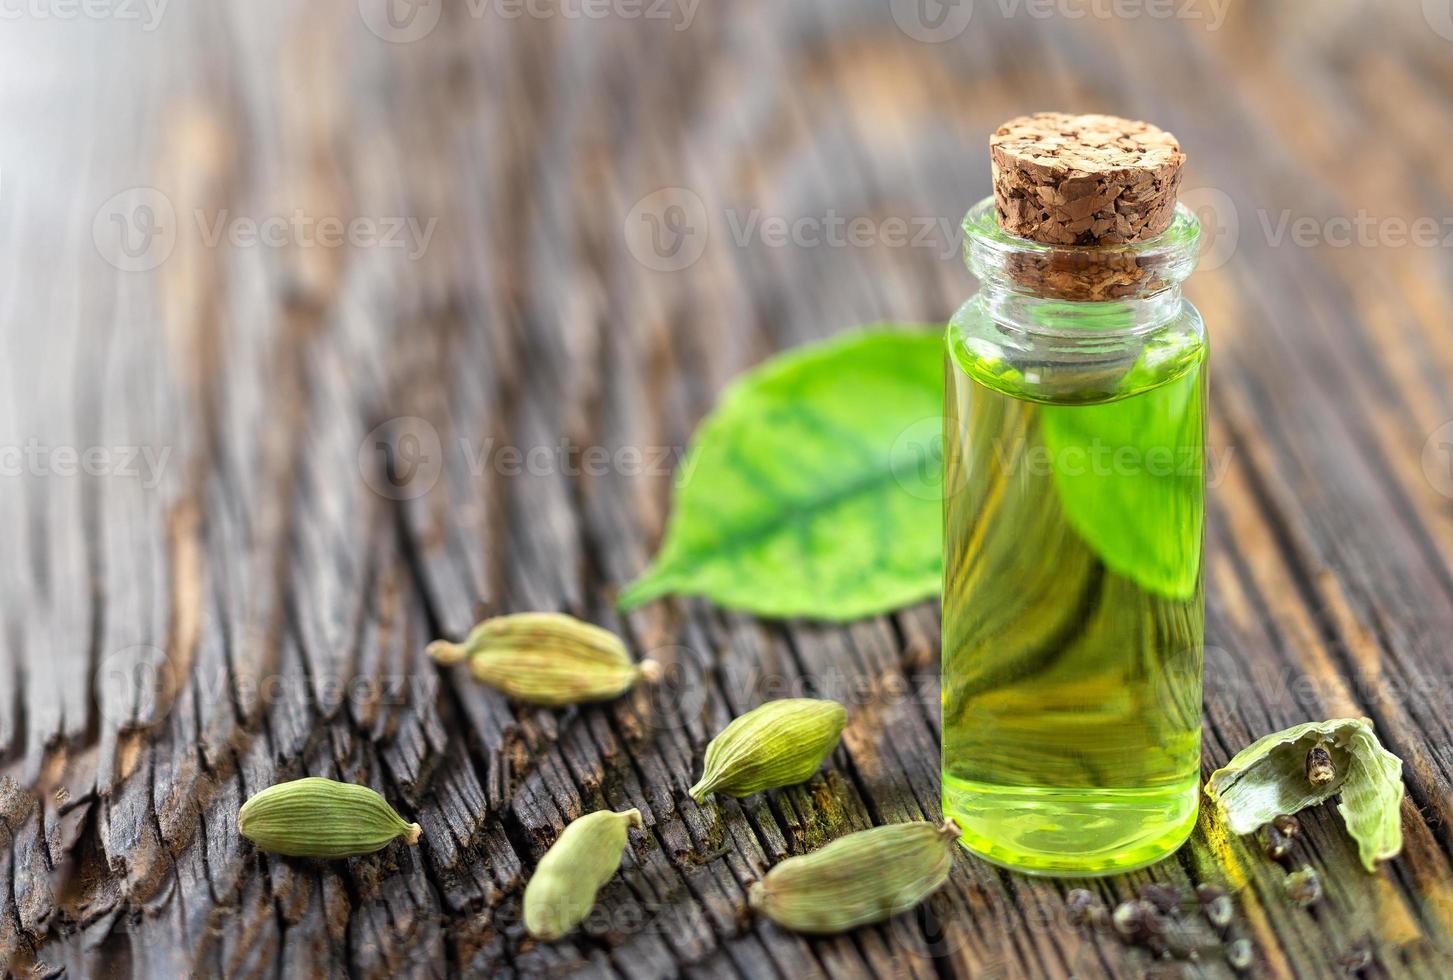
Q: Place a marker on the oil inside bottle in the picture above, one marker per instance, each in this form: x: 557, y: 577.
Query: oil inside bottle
x: 1073, y: 606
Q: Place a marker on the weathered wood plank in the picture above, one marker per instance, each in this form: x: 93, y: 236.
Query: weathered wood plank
x: 256, y: 605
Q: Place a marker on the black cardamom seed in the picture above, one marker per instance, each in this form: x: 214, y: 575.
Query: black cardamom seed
x: 1138, y: 922
x: 1129, y: 920
x: 1320, y: 768
x: 1180, y: 942
x: 1288, y: 825
x: 1304, y: 887
x: 1165, y: 898
x: 1356, y: 959
x: 1275, y: 843
x: 1083, y: 908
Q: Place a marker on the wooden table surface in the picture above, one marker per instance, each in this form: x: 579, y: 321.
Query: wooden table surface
x: 215, y: 580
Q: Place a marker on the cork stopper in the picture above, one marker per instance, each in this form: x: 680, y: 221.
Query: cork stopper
x: 1061, y: 179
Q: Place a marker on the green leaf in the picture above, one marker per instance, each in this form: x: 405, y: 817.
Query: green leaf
x: 1130, y: 479
x: 1269, y: 778
x: 813, y: 488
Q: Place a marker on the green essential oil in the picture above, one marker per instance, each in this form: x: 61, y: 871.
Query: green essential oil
x: 1073, y: 605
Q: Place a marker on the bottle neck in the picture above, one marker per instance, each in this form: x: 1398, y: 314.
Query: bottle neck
x: 1078, y: 318
x: 1079, y: 293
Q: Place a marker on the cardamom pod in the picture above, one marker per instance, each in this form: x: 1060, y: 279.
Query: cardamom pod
x: 862, y: 878
x: 322, y: 818
x: 562, y: 891
x: 549, y: 659
x: 779, y: 743
x: 1287, y: 771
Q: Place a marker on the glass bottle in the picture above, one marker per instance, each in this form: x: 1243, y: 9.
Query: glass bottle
x: 1073, y: 604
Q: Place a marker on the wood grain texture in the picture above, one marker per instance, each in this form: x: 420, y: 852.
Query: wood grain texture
x: 307, y: 461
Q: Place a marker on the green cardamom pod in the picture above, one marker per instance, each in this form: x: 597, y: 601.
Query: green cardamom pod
x: 1287, y: 771
x: 862, y: 878
x: 322, y: 818
x: 549, y: 659
x: 780, y: 743
x: 562, y: 891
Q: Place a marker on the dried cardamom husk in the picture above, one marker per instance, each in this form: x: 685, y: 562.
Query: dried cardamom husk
x: 1288, y: 771
x: 562, y: 891
x: 864, y: 877
x: 322, y: 818
x: 1240, y: 954
x: 779, y: 743
x: 548, y: 659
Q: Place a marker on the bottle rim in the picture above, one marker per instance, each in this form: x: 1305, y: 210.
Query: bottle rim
x: 1080, y: 273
